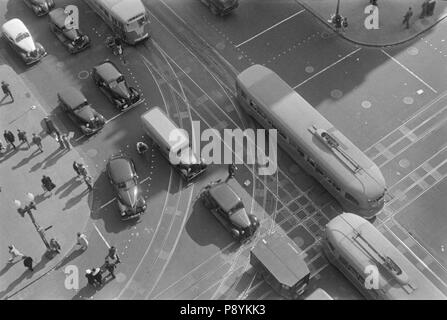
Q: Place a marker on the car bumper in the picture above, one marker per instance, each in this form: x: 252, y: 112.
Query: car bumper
x: 79, y: 47
x: 31, y: 60
x: 225, y: 11
x: 132, y: 215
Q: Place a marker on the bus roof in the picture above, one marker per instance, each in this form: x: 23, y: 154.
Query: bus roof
x: 281, y: 259
x: 124, y: 9
x: 296, y: 116
x: 341, y: 232
x: 160, y: 124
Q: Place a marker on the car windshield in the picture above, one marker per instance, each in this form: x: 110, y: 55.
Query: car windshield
x: 126, y: 184
x: 21, y: 36
x: 237, y: 207
x: 114, y: 83
x: 82, y: 105
x: 136, y: 24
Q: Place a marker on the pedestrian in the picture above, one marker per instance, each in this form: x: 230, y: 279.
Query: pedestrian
x: 82, y: 241
x: 113, y: 255
x: 424, y: 11
x: 110, y: 267
x: 88, y: 182
x: 37, y: 140
x: 231, y: 172
x: 61, y: 143
x: 1, y: 147
x: 28, y: 262
x: 22, y: 137
x: 47, y: 184
x: 118, y: 46
x: 407, y: 17
x: 373, y: 2
x: 76, y: 169
x: 82, y: 169
x: 97, y: 275
x: 9, y: 137
x: 51, y: 128
x: 55, y: 246
x: 66, y: 141
x: 90, y: 278
x: 14, y: 253
x: 6, y: 91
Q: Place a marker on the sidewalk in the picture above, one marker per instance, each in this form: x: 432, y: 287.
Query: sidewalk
x: 391, y: 13
x: 67, y: 210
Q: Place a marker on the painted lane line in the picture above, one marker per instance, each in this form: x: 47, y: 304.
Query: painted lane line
x: 328, y: 67
x: 107, y: 203
x: 262, y: 32
x: 102, y: 237
x: 409, y: 71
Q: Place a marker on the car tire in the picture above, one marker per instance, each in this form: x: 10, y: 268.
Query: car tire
x: 235, y: 233
x: 206, y: 202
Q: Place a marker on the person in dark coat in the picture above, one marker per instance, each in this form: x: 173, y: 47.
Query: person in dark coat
x: 110, y: 267
x: 6, y: 91
x: 9, y: 137
x: 90, y: 277
x: 47, y: 184
x: 407, y: 17
x: 28, y: 262
x: 76, y: 169
x: 22, y: 137
x: 231, y: 172
x: 37, y: 140
x: 113, y: 255
x: 66, y: 141
x: 97, y: 275
x: 51, y: 128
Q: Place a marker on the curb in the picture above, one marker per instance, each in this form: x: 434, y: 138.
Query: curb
x: 365, y: 44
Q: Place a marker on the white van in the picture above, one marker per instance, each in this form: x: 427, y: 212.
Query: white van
x: 160, y: 128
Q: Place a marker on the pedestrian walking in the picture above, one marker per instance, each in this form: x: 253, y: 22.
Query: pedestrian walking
x: 407, y: 17
x: 14, y: 253
x: 82, y: 241
x: 61, y: 143
x: 28, y: 262
x: 113, y: 255
x: 88, y: 181
x: 9, y: 137
x: 231, y: 172
x: 6, y: 91
x: 55, y: 246
x: 51, y: 128
x: 97, y: 275
x: 22, y: 137
x: 110, y: 267
x: 424, y: 11
x: 47, y: 183
x: 90, y: 278
x: 76, y: 169
x: 66, y: 141
x: 37, y: 140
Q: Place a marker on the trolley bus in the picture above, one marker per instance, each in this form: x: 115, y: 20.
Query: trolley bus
x: 312, y: 141
x: 319, y: 294
x: 355, y: 246
x: 128, y: 19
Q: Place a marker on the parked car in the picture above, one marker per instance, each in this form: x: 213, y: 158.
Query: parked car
x: 20, y: 39
x: 124, y: 178
x: 113, y: 84
x: 76, y: 106
x: 221, y: 7
x: 40, y: 7
x: 228, y: 208
x: 73, y: 39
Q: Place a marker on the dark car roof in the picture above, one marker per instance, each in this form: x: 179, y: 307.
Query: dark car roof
x: 280, y: 258
x: 225, y: 196
x: 120, y: 168
x: 107, y: 71
x: 72, y: 97
x: 58, y: 17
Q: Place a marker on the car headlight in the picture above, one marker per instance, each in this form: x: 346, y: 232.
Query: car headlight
x: 242, y: 231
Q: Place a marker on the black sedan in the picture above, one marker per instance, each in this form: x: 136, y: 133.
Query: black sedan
x: 123, y: 176
x: 73, y: 39
x: 225, y: 204
x: 74, y: 103
x: 113, y: 84
x: 40, y: 7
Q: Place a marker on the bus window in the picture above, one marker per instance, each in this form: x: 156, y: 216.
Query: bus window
x: 330, y: 246
x: 318, y: 169
x: 299, y: 151
x: 282, y: 135
x: 351, y: 198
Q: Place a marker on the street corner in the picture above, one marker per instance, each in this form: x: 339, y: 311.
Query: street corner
x: 379, y: 23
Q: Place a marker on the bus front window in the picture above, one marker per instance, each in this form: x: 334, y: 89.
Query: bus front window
x: 136, y: 24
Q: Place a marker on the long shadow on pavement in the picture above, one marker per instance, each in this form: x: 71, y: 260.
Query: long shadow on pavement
x: 24, y: 161
x: 8, y: 266
x: 69, y: 186
x: 89, y: 291
x: 8, y: 154
x: 74, y: 200
x: 73, y: 255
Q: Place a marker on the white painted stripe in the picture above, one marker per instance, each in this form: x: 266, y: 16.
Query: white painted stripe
x: 102, y: 237
x: 107, y: 203
x: 328, y: 67
x: 409, y: 71
x: 262, y: 32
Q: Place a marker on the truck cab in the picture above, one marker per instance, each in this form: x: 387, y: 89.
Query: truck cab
x: 221, y: 7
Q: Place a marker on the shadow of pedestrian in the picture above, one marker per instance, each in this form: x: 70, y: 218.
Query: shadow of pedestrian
x: 25, y: 275
x: 8, y: 266
x: 73, y: 255
x: 53, y: 157
x: 71, y: 202
x: 70, y: 185
x: 25, y: 160
x: 41, y: 197
x: 85, y: 293
x: 8, y: 154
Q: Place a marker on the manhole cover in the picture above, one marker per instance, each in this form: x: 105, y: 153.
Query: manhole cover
x: 366, y: 104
